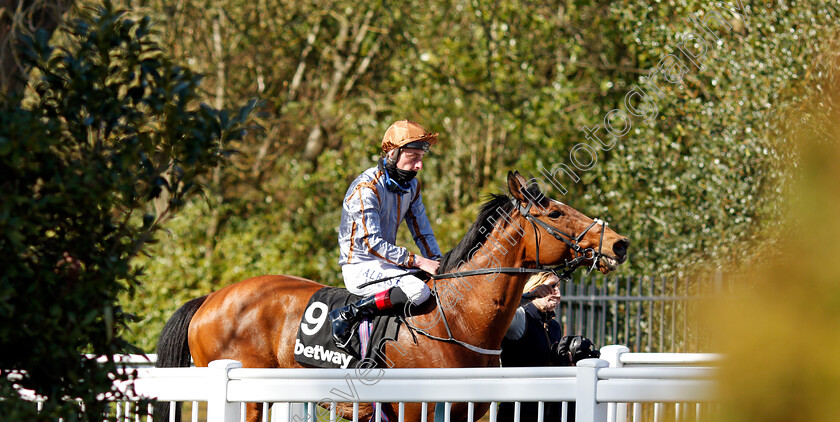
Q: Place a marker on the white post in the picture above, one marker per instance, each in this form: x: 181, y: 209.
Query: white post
x: 612, y: 354
x: 587, y: 407
x: 616, y: 412
x: 218, y: 408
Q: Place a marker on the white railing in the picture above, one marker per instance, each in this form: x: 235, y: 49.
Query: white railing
x: 620, y: 357
x: 601, y: 388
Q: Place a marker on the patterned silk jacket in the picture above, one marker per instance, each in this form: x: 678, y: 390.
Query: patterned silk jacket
x: 370, y: 217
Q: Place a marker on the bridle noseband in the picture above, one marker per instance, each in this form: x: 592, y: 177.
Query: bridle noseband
x: 580, y: 254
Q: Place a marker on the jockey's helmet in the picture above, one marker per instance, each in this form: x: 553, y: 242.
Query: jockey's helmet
x: 407, y: 134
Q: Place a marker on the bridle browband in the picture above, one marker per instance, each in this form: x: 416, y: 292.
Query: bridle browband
x: 563, y: 271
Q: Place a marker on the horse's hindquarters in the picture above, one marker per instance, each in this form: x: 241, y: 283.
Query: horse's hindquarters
x: 254, y: 322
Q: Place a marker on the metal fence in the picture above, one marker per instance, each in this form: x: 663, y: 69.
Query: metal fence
x: 646, y: 313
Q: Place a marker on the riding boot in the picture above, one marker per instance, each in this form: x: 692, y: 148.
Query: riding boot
x: 344, y: 319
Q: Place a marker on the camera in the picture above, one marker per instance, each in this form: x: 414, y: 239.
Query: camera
x: 571, y: 349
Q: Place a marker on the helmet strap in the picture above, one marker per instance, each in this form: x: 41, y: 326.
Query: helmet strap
x: 396, y: 180
x: 393, y: 158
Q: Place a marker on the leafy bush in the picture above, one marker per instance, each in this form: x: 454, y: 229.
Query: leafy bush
x: 110, y: 143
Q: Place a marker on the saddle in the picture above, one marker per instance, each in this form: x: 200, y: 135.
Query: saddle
x: 314, y: 344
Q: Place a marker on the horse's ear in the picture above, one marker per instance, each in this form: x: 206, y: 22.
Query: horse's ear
x: 516, y: 185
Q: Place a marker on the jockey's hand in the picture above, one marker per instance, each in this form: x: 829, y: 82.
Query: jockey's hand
x: 428, y: 265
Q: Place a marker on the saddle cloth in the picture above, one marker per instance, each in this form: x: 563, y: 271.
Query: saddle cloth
x: 314, y: 345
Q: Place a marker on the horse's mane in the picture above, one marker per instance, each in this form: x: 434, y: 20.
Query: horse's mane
x: 475, y: 235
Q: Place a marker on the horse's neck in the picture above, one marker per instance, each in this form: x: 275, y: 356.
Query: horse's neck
x: 485, y: 304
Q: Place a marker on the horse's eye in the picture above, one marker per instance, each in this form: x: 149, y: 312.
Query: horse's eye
x: 555, y: 214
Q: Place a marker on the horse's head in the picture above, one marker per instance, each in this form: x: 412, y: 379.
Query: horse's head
x: 563, y: 235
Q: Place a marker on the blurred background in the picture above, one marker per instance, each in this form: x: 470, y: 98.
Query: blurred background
x: 509, y: 85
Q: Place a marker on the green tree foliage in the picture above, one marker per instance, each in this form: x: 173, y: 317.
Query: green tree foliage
x: 15, y: 19
x: 509, y: 85
x: 110, y: 143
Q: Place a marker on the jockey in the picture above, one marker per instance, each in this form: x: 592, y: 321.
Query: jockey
x: 374, y: 206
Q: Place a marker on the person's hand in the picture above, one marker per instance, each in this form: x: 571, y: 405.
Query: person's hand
x: 547, y: 303
x: 428, y: 265
x: 548, y: 296
x: 539, y: 291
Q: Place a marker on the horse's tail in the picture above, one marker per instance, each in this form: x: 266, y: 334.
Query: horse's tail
x: 173, y: 349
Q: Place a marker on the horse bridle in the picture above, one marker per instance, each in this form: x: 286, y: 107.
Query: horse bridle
x: 572, y: 241
x: 563, y: 271
x: 568, y: 267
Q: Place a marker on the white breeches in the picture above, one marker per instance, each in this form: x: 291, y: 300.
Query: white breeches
x: 357, y: 274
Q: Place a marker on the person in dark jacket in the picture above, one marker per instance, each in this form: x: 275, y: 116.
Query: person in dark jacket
x: 535, y: 338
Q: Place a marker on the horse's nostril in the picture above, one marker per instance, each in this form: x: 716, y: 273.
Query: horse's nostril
x: 620, y: 248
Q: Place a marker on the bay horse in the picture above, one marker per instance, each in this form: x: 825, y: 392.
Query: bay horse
x: 255, y: 321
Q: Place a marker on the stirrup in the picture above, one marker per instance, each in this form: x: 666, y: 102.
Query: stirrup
x: 342, y: 345
x: 335, y: 316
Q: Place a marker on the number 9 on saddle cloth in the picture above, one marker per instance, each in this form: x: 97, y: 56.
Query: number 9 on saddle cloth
x: 314, y: 345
